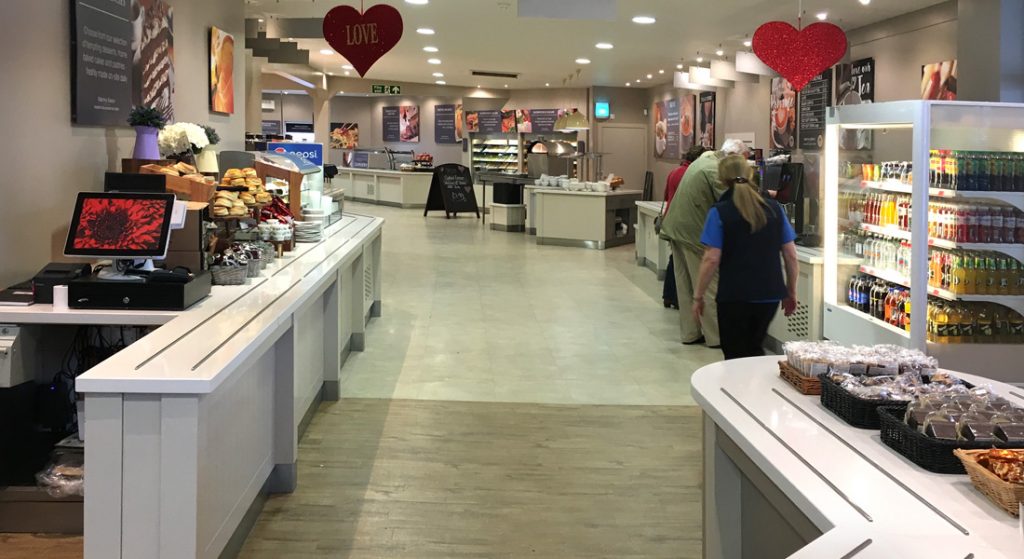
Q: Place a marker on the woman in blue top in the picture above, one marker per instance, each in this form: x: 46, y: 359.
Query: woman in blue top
x: 744, y: 234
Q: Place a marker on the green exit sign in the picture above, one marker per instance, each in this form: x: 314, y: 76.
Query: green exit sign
x: 387, y: 89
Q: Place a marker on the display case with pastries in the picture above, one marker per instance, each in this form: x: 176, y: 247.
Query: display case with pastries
x: 928, y: 198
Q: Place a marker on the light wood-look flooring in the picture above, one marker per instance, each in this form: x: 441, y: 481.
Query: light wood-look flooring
x: 434, y: 479
x: 40, y: 546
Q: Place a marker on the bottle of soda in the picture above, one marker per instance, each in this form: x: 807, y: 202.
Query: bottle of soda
x: 984, y: 225
x: 983, y: 171
x: 1018, y: 172
x: 964, y: 176
x: 973, y: 219
x: 995, y: 171
x: 997, y: 224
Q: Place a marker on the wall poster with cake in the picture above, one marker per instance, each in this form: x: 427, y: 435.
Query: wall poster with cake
x: 686, y: 120
x: 660, y: 129
x: 122, y: 56
x: 222, y: 72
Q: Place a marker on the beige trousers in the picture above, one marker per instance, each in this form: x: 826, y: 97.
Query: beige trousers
x: 687, y: 270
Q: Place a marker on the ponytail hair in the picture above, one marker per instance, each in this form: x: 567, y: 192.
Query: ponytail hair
x: 735, y: 173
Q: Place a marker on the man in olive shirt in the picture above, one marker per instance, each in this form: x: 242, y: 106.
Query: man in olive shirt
x: 684, y: 223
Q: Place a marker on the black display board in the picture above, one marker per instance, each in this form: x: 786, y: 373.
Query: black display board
x: 101, y: 63
x: 451, y: 191
x: 815, y: 98
x: 392, y: 121
x: 444, y: 124
x: 490, y: 122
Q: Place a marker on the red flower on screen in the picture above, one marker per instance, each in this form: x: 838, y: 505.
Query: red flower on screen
x: 120, y: 224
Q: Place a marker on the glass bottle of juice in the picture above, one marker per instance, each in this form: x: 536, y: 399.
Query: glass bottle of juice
x: 986, y: 326
x: 1016, y: 278
x: 941, y: 323
x: 967, y: 287
x: 904, y: 304
x: 930, y: 322
x: 1016, y: 327
x: 889, y: 305
x: 999, y: 325
x: 954, y: 324
x: 1004, y: 276
x: 959, y: 274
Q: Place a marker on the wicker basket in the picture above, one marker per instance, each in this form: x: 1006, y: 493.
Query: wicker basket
x: 229, y: 275
x: 858, y: 412
x: 1007, y: 495
x: 803, y: 384
x: 934, y: 455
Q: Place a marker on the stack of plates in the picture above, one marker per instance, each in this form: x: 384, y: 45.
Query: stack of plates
x: 309, y: 231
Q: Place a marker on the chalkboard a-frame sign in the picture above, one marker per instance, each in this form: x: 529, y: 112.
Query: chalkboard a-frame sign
x: 451, y: 191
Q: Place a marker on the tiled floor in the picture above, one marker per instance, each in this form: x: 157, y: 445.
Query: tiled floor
x: 480, y: 315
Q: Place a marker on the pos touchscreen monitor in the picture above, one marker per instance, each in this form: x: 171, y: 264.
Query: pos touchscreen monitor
x: 122, y: 226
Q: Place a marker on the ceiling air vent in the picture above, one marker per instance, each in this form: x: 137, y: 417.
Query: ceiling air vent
x: 490, y: 74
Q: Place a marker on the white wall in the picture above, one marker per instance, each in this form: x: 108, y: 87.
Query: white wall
x: 45, y: 159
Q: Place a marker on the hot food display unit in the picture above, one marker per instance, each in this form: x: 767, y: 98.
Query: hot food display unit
x: 931, y: 207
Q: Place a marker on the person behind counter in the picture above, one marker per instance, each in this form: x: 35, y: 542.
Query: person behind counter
x: 744, y: 234
x: 668, y: 293
x: 682, y: 228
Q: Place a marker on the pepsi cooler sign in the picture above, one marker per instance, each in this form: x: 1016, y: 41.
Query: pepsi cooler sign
x: 314, y: 153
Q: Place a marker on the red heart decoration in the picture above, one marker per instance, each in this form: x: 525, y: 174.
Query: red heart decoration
x: 362, y: 38
x: 799, y: 56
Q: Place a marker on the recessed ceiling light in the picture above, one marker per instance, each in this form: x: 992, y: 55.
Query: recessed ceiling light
x: 441, y: 82
x: 637, y: 81
x: 605, y: 46
x: 661, y: 71
x: 720, y: 52
x: 342, y: 92
x: 289, y: 39
x: 748, y: 43
x: 417, y: 2
x: 679, y: 66
x: 330, y: 73
x: 822, y: 16
x: 649, y: 76
x: 326, y: 51
x: 863, y: 2
x: 429, y: 49
x: 547, y: 85
x: 629, y: 84
x: 644, y: 20
x: 318, y: 73
x: 347, y: 67
x: 700, y: 59
x: 582, y: 61
x: 425, y: 31
x: 261, y: 19
x: 438, y: 75
x: 347, y: 73
x: 506, y: 85
x: 433, y: 61
x: 478, y: 86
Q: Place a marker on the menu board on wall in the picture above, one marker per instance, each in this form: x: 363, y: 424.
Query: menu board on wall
x: 815, y: 98
x: 541, y: 120
x: 672, y: 132
x: 706, y: 119
x: 444, y: 124
x: 782, y: 115
x: 489, y: 122
x: 855, y: 85
x: 101, y: 67
x: 271, y: 127
x: 391, y: 119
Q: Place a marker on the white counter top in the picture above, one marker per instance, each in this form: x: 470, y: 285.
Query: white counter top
x: 201, y: 347
x: 384, y: 172
x: 563, y: 192
x: 45, y: 314
x: 875, y: 493
x: 649, y: 205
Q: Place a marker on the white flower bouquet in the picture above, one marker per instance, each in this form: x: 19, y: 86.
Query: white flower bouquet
x: 182, y: 138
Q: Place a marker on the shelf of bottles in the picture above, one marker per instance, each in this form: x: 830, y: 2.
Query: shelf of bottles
x: 495, y: 154
x: 970, y: 191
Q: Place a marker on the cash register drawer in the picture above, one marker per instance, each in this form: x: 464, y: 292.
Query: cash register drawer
x: 94, y: 293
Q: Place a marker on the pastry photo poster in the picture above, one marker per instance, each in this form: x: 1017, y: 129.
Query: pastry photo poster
x: 222, y: 72
x: 344, y: 135
x: 660, y: 129
x: 122, y: 56
x: 707, y: 119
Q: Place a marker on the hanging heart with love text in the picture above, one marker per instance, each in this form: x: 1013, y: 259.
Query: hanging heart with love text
x: 362, y: 38
x: 799, y: 55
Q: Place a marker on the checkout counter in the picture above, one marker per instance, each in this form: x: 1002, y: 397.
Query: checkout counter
x: 188, y: 429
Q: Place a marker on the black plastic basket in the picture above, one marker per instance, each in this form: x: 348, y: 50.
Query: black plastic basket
x: 858, y: 412
x: 934, y: 455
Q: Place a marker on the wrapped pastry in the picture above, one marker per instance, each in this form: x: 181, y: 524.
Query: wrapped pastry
x: 1010, y: 432
x: 977, y: 431
x: 941, y: 429
x: 184, y: 168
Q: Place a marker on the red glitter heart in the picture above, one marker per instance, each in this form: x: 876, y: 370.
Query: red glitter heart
x: 799, y: 56
x: 362, y: 38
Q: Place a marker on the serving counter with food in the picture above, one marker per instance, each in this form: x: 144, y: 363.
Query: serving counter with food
x: 573, y: 213
x: 792, y: 440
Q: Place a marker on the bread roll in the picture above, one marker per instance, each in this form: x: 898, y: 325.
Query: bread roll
x: 222, y: 203
x: 237, y: 182
x: 249, y: 172
x: 234, y: 174
x: 248, y: 199
x: 221, y: 212
x: 184, y: 168
x: 263, y: 198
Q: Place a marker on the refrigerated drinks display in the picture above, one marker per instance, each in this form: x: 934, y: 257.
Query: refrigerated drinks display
x: 933, y: 212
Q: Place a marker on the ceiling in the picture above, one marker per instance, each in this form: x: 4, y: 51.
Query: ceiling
x: 489, y: 35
